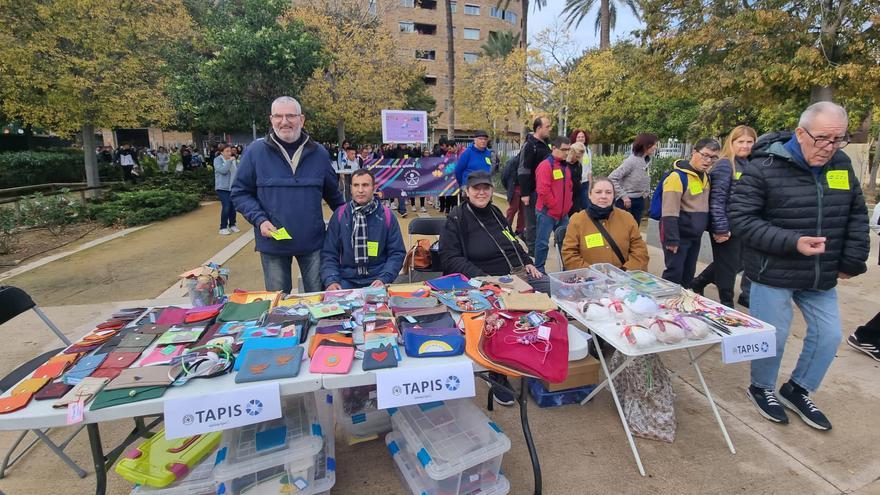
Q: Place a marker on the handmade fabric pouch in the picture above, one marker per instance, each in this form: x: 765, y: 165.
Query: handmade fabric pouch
x: 151, y: 376
x: 332, y: 359
x: 53, y: 390
x: 511, y: 282
x: 536, y: 301
x: 83, y: 368
x: 50, y: 371
x: 81, y: 347
x: 544, y: 358
x: 179, y: 337
x: 245, y: 297
x: 404, y: 303
x: 270, y: 364
x: 171, y: 316
x: 256, y: 344
x: 453, y: 281
x: 258, y: 332
x: 120, y: 360
x: 13, y: 403
x: 236, y: 327
x: 437, y: 320
x: 85, y: 390
x: 152, y: 329
x: 465, y: 301
x: 136, y: 340
x: 243, y: 312
x: 325, y: 310
x: 319, y: 338
x: 70, y: 359
x: 433, y: 342
x: 162, y: 354
x: 379, y: 358
x: 109, y: 398
x: 202, y: 313
x: 29, y: 386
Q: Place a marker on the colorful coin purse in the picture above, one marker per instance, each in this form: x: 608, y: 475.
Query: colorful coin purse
x: 465, y: 301
x: 270, y: 364
x: 380, y: 357
x: 433, y: 342
x: 332, y: 359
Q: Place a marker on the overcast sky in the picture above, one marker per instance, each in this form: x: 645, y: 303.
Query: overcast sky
x: 584, y: 35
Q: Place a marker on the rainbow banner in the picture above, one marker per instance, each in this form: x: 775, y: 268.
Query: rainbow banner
x: 395, y: 178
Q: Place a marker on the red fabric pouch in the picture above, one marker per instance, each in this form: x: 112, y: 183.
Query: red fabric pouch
x: 503, y: 347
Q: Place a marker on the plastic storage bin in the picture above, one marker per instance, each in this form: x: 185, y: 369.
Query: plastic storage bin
x: 199, y: 481
x: 158, y: 461
x: 456, y: 445
x: 614, y: 274
x: 576, y: 285
x: 652, y: 285
x: 419, y: 483
x: 358, y: 415
x: 281, y: 451
x: 325, y: 464
x: 545, y: 398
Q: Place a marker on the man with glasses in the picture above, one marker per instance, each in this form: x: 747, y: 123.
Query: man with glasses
x: 803, y: 222
x: 685, y: 211
x: 555, y: 197
x: 280, y: 183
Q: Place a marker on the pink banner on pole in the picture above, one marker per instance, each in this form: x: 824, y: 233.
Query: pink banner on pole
x: 404, y: 126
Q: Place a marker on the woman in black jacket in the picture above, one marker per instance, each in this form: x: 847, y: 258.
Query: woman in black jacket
x: 726, y: 261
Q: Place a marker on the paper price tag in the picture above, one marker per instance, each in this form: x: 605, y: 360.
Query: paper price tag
x: 544, y: 332
x: 475, y: 283
x: 75, y: 412
x: 838, y: 179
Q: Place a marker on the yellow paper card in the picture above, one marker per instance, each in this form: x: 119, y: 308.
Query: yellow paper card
x: 508, y: 235
x: 594, y: 240
x: 838, y: 179
x: 738, y: 175
x: 695, y: 186
x: 281, y: 235
x: 557, y: 174
x: 372, y: 248
x: 488, y: 161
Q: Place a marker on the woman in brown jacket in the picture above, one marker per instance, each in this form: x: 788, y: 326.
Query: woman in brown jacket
x: 585, y: 244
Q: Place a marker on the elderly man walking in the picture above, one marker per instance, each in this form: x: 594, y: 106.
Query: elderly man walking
x: 803, y: 222
x: 280, y: 183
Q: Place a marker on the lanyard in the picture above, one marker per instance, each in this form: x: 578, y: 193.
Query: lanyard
x: 509, y: 264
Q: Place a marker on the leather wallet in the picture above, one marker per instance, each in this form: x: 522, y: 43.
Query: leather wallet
x: 150, y: 376
x: 120, y: 359
x: 29, y: 386
x: 50, y: 370
x: 53, y: 390
x: 380, y: 357
x: 83, y: 368
x: 332, y: 359
x: 109, y: 398
x: 85, y: 390
x: 270, y: 364
x: 134, y: 339
x: 14, y: 402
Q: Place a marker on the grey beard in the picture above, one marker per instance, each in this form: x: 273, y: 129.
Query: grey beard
x: 295, y: 136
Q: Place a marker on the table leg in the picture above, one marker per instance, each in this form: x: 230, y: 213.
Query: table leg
x: 674, y: 374
x: 527, y: 433
x: 97, y: 458
x: 711, y: 401
x: 604, y: 383
x: 629, y: 437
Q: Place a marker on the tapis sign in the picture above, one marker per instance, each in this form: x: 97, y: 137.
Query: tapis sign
x: 222, y: 411
x: 408, y: 386
x: 748, y: 346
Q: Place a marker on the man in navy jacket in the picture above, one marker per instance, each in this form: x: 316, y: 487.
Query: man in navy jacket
x: 280, y: 183
x: 363, y: 246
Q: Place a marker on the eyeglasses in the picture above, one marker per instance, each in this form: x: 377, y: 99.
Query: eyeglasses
x: 286, y: 116
x: 822, y: 142
x: 711, y: 158
x: 564, y: 149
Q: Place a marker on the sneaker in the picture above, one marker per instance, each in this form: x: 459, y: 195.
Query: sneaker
x: 798, y: 400
x: 224, y: 232
x: 234, y: 229
x: 503, y: 396
x: 423, y: 210
x: 869, y: 348
x: 403, y: 215
x: 765, y: 400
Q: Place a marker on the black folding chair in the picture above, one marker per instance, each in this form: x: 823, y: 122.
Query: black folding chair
x: 558, y: 237
x: 424, y: 226
x: 13, y: 302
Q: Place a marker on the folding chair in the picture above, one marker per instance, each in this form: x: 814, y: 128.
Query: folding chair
x: 13, y: 302
x: 424, y: 226
x: 558, y: 237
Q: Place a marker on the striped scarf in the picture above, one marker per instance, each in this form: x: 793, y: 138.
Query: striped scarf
x: 359, y: 214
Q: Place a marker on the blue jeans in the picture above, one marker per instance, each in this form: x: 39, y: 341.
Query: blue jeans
x: 277, y: 273
x: 546, y: 225
x: 681, y: 265
x: 636, y: 208
x: 227, y: 211
x: 822, y: 314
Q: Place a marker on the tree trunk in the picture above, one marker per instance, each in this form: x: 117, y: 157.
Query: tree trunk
x: 524, y: 41
x: 450, y: 61
x: 604, y: 24
x: 91, y: 161
x: 821, y: 93
x: 872, y: 170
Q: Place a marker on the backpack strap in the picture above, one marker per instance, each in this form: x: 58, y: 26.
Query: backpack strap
x: 340, y: 211
x: 387, y: 216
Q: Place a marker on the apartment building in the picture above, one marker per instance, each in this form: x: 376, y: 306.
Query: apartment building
x: 420, y: 25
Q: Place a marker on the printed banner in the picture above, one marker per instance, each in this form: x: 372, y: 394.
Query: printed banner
x: 404, y: 126
x: 433, y: 176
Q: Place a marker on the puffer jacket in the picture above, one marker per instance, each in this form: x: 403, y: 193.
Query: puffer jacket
x: 722, y: 179
x: 779, y: 199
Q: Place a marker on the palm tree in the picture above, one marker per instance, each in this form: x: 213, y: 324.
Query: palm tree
x: 576, y: 11
x: 524, y: 24
x: 500, y: 44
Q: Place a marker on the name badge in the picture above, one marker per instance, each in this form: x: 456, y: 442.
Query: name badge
x: 838, y: 179
x: 557, y: 174
x: 738, y: 175
x: 488, y: 161
x: 372, y: 248
x: 696, y: 187
x: 594, y: 240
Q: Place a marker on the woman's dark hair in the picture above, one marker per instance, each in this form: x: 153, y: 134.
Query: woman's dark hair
x: 574, y: 135
x: 597, y: 180
x: 642, y: 142
x: 223, y: 147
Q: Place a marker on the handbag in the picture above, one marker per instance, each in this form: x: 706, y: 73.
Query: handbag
x: 512, y: 347
x: 433, y: 342
x: 418, y: 257
x: 610, y: 240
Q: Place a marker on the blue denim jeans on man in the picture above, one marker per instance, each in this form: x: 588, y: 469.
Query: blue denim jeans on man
x: 277, y: 271
x: 546, y: 225
x: 822, y: 314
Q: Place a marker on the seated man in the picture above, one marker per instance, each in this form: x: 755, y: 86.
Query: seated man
x: 363, y: 246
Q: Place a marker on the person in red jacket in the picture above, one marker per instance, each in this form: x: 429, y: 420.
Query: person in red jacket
x: 554, y: 188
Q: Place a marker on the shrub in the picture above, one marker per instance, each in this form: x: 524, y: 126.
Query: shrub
x: 9, y: 234
x: 53, y: 212
x: 199, y: 182
x: 139, y: 207
x: 26, y: 168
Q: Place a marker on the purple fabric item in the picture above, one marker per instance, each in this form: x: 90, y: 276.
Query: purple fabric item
x: 172, y: 316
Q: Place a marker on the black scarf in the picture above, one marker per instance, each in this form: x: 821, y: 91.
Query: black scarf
x: 599, y: 213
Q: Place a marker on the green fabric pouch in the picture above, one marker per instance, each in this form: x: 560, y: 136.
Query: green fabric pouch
x: 110, y: 398
x: 243, y: 312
